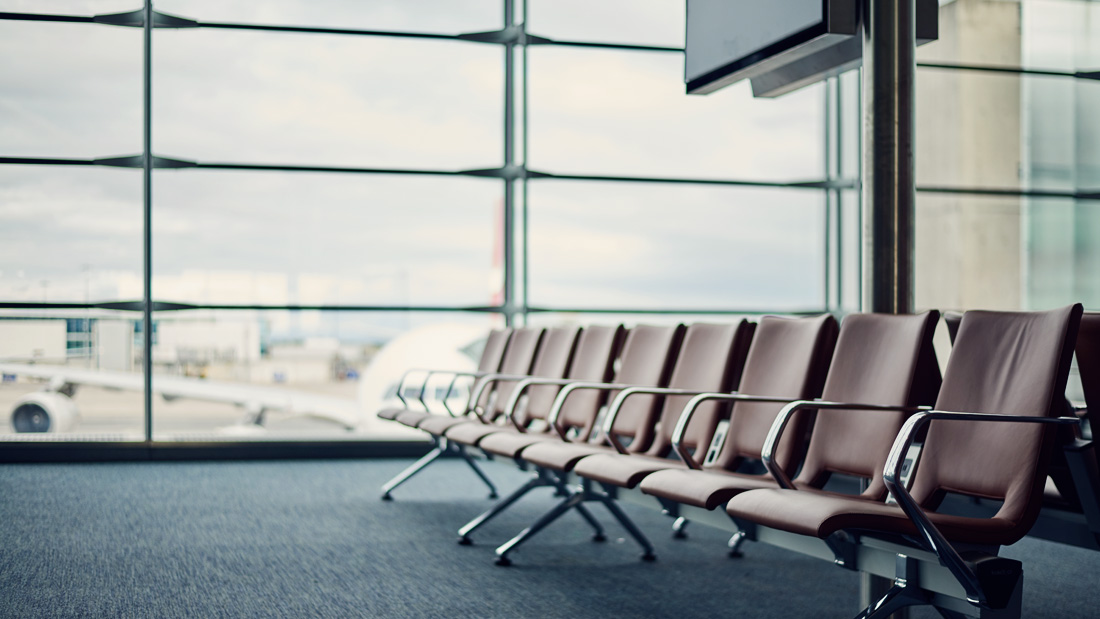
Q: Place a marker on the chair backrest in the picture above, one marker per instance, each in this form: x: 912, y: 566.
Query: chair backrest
x: 1088, y: 367
x: 646, y: 360
x: 884, y: 359
x: 518, y: 360
x: 553, y: 360
x: 1011, y: 363
x: 593, y: 361
x: 491, y: 356
x: 1088, y: 364
x: 493, y: 352
x: 788, y: 358
x: 711, y: 359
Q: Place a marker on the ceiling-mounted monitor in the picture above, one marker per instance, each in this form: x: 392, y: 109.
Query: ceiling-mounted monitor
x: 781, y: 45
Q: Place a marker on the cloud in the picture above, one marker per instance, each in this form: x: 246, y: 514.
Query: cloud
x: 248, y: 97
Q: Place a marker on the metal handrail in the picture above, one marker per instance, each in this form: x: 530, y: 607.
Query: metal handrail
x: 931, y: 537
x: 689, y: 411
x: 517, y: 393
x: 479, y: 388
x: 771, y: 443
x: 555, y: 409
x: 617, y: 403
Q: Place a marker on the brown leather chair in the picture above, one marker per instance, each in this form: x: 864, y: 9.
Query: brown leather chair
x: 808, y: 343
x: 711, y: 358
x: 1075, y: 475
x: 797, y: 373
x: 647, y: 357
x: 490, y: 390
x: 1061, y: 490
x: 519, y: 350
x: 593, y: 361
x: 1003, y: 390
x: 567, y: 355
x: 491, y: 356
x: 1088, y: 365
x: 880, y: 360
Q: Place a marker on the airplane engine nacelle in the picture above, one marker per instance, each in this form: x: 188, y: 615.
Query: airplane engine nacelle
x: 43, y: 411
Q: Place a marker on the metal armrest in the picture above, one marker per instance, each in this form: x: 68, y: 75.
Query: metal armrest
x: 689, y: 411
x: 455, y: 375
x: 483, y: 382
x: 405, y: 376
x: 555, y: 410
x: 771, y: 443
x: 517, y: 393
x: 617, y: 403
x: 930, y: 536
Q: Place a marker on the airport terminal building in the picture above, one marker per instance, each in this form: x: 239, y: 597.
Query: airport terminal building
x: 230, y: 229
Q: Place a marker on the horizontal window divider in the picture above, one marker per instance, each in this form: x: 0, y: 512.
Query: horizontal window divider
x: 167, y: 306
x: 1087, y: 75
x: 169, y: 163
x: 685, y: 311
x: 46, y: 305
x: 513, y: 172
x: 532, y: 39
x: 164, y: 20
x: 335, y: 169
x: 135, y: 19
x: 517, y: 172
x: 343, y: 31
x: 814, y: 184
x: 498, y: 37
x: 1014, y: 193
x: 80, y: 19
x: 44, y: 161
x: 171, y: 306
x: 479, y: 309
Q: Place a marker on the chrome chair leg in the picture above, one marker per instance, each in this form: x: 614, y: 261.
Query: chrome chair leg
x: 471, y: 526
x: 556, y: 512
x: 477, y: 469
x: 413, y: 469
x: 679, y: 526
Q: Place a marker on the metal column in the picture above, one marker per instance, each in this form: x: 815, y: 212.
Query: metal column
x: 888, y: 68
x: 889, y: 65
x: 525, y: 225
x: 509, y: 163
x: 147, y: 209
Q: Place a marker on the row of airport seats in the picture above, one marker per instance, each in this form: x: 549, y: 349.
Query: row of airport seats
x: 839, y: 441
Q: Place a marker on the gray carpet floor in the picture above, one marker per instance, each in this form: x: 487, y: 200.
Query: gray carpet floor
x: 312, y: 539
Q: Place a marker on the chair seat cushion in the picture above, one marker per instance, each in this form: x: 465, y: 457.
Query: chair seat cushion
x: 412, y: 418
x: 561, y: 456
x: 706, y: 489
x: 391, y: 413
x: 621, y: 469
x: 471, y: 432
x: 438, y: 424
x: 512, y: 444
x: 820, y: 515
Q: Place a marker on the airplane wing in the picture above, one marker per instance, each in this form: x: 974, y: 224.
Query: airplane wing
x: 256, y: 400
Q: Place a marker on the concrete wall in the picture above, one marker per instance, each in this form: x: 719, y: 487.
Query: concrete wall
x: 968, y: 134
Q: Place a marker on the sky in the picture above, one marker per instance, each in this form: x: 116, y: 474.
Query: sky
x: 74, y: 90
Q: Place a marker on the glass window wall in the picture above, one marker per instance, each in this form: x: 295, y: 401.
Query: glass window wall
x: 332, y: 177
